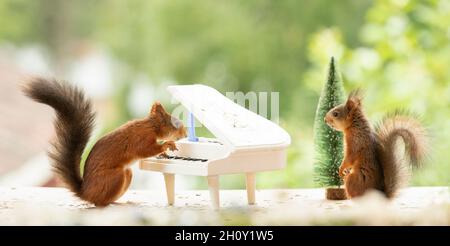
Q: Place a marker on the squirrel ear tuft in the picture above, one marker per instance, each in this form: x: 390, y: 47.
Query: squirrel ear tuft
x: 353, y: 100
x: 157, y: 108
x: 350, y: 105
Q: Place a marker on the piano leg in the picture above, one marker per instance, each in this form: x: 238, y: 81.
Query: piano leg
x: 169, y: 179
x: 213, y: 185
x: 251, y: 187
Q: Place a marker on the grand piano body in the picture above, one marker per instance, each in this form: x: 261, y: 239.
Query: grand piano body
x: 245, y: 143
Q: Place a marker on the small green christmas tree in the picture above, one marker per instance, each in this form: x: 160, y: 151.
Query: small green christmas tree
x: 328, y: 142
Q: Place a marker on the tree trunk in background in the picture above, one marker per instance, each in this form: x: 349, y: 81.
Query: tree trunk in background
x: 57, y: 30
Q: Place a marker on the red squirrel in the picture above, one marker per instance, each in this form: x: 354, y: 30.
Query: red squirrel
x: 371, y: 157
x: 106, y: 174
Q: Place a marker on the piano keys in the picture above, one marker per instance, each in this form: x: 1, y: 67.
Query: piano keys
x: 180, y: 158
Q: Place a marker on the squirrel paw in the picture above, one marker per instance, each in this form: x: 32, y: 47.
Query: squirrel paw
x: 170, y: 145
x: 344, y: 171
x: 347, y: 171
x: 163, y: 155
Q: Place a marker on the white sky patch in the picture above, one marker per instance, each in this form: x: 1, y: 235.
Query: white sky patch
x: 93, y: 72
x: 141, y: 97
x: 396, y: 25
x: 32, y: 60
x: 368, y: 58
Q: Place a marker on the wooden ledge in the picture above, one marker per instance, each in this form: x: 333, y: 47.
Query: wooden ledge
x: 56, y: 206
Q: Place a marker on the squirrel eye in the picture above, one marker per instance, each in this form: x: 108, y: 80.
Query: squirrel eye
x: 335, y: 114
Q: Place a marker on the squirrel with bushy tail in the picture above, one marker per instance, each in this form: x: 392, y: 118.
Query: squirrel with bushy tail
x: 372, y: 158
x: 106, y: 174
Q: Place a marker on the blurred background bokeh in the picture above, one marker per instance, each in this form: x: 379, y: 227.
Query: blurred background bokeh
x: 125, y: 52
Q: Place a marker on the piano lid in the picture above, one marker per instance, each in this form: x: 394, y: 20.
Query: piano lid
x: 228, y: 121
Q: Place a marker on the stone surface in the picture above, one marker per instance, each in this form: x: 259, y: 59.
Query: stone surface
x: 56, y: 206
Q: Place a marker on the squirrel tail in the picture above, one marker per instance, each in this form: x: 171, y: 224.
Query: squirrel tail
x: 73, y: 124
x: 396, y: 169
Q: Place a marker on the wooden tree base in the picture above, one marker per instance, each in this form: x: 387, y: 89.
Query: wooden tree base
x: 336, y: 194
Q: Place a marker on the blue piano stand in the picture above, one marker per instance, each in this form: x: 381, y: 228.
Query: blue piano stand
x: 191, y: 130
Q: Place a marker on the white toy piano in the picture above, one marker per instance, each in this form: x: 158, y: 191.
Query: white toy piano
x: 245, y: 143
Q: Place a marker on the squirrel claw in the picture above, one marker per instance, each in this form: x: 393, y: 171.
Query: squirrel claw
x: 344, y: 172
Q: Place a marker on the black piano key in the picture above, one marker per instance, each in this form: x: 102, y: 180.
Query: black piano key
x: 213, y: 141
x: 171, y: 157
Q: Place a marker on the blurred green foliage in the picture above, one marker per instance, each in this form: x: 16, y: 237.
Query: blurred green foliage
x: 397, y: 51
